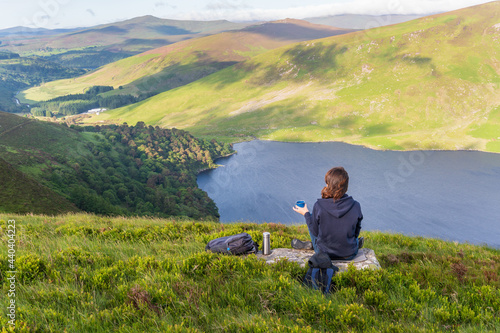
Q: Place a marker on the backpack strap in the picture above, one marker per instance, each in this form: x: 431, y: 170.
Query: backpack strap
x: 329, y: 276
x: 315, y: 278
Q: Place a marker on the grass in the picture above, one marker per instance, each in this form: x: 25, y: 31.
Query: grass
x: 29, y: 144
x: 426, y: 83
x: 489, y: 130
x: 85, y: 273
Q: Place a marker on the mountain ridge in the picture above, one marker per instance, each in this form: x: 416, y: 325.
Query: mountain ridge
x: 133, y: 35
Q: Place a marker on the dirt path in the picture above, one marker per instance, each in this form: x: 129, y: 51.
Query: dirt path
x: 13, y: 128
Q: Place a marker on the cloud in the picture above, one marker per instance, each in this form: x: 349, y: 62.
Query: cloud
x: 238, y: 11
x: 164, y: 4
x: 226, y: 5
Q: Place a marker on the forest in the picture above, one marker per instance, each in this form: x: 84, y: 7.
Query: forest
x: 138, y: 170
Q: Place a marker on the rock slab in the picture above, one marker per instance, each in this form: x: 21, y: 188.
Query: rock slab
x: 365, y: 259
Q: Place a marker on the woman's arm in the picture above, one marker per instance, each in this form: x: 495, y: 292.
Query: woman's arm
x: 358, y: 225
x: 311, y: 219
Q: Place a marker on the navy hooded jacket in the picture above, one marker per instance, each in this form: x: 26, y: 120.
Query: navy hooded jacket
x: 336, y: 224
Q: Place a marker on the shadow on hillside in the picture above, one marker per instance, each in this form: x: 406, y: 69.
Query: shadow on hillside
x: 293, y: 32
x: 171, y: 30
x: 417, y: 60
x: 145, y: 42
x: 314, y: 54
x: 377, y: 129
x: 346, y: 122
x: 177, y: 75
x: 107, y: 30
x: 300, y: 63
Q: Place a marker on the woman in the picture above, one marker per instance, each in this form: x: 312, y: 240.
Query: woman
x: 335, y: 222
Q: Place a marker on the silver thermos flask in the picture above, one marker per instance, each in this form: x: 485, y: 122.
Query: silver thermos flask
x: 266, y: 246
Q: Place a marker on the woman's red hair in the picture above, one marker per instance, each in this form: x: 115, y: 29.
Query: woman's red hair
x: 337, y: 181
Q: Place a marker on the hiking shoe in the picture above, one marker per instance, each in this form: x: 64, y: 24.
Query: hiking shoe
x: 301, y: 245
x: 361, y: 242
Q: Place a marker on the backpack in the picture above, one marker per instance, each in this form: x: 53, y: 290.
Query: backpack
x: 320, y: 273
x: 235, y: 244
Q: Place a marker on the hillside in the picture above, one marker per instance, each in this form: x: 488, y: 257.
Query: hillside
x: 178, y: 64
x: 109, y: 170
x: 430, y: 83
x: 86, y: 273
x: 21, y: 194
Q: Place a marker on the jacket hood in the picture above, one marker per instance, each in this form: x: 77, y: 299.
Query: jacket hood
x: 337, y: 208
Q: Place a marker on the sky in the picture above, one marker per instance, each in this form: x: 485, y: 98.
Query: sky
x: 57, y: 14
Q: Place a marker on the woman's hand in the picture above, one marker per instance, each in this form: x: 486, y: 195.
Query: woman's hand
x: 301, y: 210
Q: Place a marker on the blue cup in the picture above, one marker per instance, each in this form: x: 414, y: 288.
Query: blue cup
x: 300, y: 203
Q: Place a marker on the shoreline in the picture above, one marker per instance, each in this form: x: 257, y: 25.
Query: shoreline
x: 207, y: 169
x: 369, y: 147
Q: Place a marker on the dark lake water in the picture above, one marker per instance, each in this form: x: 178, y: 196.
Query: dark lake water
x: 452, y: 195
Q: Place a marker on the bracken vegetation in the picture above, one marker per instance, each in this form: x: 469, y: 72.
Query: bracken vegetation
x: 84, y: 273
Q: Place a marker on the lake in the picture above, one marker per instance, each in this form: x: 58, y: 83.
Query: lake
x: 452, y: 195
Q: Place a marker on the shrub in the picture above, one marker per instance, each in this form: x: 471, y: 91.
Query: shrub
x: 354, y: 316
x: 31, y: 267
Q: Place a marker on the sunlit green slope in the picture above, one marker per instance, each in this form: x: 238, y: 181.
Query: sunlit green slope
x: 431, y: 83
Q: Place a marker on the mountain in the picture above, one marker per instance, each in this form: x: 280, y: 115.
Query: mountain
x: 430, y: 83
x: 361, y: 22
x: 134, y: 35
x: 175, y: 65
x: 23, y: 32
